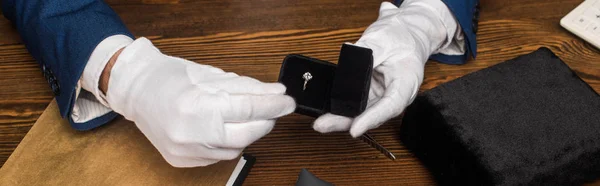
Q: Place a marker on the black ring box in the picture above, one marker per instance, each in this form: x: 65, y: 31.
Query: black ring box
x: 341, y: 89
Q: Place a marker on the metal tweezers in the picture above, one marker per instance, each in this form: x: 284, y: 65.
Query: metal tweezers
x: 369, y: 140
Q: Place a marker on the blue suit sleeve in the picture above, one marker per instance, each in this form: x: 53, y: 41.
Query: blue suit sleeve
x: 61, y: 35
x: 467, y: 14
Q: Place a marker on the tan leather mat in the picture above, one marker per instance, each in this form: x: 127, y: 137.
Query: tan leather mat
x: 52, y: 153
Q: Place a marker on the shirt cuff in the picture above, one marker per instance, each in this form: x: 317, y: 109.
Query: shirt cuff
x: 98, y: 60
x: 90, y: 102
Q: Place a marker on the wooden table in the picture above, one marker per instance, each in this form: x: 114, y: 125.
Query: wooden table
x: 252, y: 37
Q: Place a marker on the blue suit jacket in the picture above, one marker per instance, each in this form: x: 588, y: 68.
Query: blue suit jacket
x: 61, y: 35
x: 467, y: 14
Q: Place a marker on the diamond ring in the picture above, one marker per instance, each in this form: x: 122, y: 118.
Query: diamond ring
x: 307, y: 77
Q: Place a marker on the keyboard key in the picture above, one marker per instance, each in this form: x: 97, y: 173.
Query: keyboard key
x: 592, y: 13
x: 582, y: 21
x: 593, y: 28
x: 596, y: 33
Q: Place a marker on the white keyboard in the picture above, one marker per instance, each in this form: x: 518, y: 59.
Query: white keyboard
x: 584, y: 21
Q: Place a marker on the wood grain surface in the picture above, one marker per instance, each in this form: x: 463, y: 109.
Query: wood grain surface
x: 252, y: 37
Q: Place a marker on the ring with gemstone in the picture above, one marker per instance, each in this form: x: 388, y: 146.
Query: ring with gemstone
x: 307, y: 77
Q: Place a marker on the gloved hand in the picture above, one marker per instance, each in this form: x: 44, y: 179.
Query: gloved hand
x: 195, y: 115
x: 402, y: 39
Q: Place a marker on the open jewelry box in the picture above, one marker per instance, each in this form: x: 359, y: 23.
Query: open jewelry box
x: 320, y: 87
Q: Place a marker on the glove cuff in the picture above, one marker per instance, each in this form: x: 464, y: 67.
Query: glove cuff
x: 134, y: 64
x: 438, y: 26
x: 97, y: 62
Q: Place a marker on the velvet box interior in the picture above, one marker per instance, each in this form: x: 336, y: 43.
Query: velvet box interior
x: 528, y: 121
x: 341, y: 89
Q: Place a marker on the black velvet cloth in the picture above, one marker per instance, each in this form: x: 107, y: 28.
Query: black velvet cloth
x: 528, y: 121
x: 341, y: 89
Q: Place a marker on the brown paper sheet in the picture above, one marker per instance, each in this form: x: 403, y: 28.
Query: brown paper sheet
x: 52, y: 153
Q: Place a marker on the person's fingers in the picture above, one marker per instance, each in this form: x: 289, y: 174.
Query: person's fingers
x: 374, y: 116
x: 228, y: 81
x: 257, y: 107
x: 389, y: 106
x: 203, y: 151
x: 247, y: 85
x: 377, y: 88
x: 240, y: 135
x: 199, y: 73
x: 332, y: 123
x: 184, y: 162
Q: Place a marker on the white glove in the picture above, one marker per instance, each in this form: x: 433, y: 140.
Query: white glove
x: 402, y: 39
x: 195, y: 115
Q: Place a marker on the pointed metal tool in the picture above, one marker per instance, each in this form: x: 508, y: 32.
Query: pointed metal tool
x: 369, y: 140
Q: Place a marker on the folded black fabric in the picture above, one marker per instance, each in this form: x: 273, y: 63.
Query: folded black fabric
x: 527, y: 121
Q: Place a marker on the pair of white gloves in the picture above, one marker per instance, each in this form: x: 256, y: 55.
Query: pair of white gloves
x: 196, y: 115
